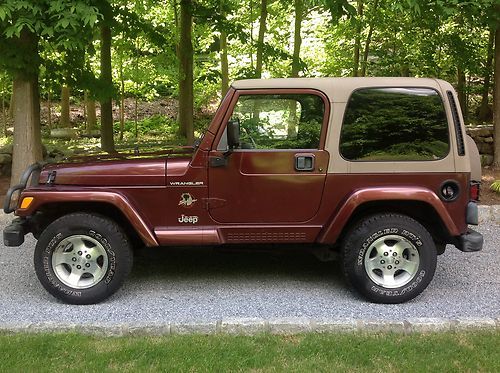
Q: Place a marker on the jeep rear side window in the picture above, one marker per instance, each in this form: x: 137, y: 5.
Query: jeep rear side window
x: 394, y: 124
x: 279, y: 121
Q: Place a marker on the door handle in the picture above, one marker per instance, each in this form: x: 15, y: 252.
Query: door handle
x: 304, y: 162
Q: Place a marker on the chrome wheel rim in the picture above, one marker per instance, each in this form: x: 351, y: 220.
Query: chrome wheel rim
x: 391, y: 261
x: 80, y: 261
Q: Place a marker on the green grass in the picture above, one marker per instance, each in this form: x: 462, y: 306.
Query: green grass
x: 445, y: 352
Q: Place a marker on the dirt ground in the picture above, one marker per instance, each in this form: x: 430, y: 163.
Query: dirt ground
x: 488, y: 197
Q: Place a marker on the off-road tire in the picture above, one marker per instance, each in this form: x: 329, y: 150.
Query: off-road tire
x: 374, y: 235
x: 86, y: 229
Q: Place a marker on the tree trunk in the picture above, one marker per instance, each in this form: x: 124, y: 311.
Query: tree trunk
x: 12, y: 103
x: 122, y: 116
x: 461, y: 83
x: 4, y: 114
x: 366, y: 50
x: 484, y: 110
x: 297, y: 39
x: 107, y: 140
x: 496, y: 98
x: 27, y: 145
x: 251, y: 33
x: 122, y: 101
x: 186, y: 99
x: 65, y: 121
x: 49, y: 110
x: 260, y: 40
x: 357, y: 39
x: 91, y: 116
x: 224, y: 65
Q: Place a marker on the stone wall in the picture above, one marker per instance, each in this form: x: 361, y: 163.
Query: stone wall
x: 483, y: 137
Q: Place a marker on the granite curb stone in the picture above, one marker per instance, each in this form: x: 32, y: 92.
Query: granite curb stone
x: 253, y: 326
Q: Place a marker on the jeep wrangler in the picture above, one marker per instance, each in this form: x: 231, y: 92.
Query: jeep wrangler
x: 378, y: 169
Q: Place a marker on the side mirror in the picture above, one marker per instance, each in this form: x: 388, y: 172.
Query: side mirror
x: 233, y: 133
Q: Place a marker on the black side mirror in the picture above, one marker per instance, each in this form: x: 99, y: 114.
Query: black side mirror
x: 233, y: 133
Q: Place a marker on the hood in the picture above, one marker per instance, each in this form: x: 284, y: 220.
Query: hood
x: 118, y: 169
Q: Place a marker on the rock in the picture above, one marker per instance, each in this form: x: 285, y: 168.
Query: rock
x: 486, y: 160
x: 94, y: 133
x: 480, y: 132
x: 64, y: 133
x: 485, y: 148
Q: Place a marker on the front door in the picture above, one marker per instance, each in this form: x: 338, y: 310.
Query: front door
x: 277, y: 172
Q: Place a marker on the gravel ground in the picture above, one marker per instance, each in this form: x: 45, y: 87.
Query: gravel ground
x: 195, y: 285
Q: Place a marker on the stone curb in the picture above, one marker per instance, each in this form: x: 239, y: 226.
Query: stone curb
x: 253, y: 326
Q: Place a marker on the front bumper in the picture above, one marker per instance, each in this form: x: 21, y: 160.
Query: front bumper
x: 13, y: 234
x: 470, y: 241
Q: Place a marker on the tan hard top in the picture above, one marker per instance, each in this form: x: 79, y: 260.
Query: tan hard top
x: 339, y: 89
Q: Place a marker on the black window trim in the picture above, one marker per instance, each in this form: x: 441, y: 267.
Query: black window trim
x: 457, y: 123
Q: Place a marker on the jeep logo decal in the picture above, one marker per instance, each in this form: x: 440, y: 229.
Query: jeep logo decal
x: 188, y: 219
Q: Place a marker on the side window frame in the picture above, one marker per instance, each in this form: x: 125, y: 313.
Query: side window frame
x: 274, y: 91
x: 443, y: 104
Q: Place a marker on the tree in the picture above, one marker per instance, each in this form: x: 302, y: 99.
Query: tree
x: 107, y: 138
x: 496, y: 95
x: 357, y: 38
x: 260, y: 39
x: 22, y: 25
x: 484, y: 111
x: 27, y: 145
x: 223, y: 55
x: 65, y: 121
x: 297, y: 38
x: 185, y: 50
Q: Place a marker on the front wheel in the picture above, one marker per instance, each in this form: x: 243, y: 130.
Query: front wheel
x: 82, y: 258
x: 389, y: 258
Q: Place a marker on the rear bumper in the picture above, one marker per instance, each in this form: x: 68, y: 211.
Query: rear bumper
x: 470, y: 241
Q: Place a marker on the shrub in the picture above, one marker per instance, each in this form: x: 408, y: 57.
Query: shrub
x: 495, y: 186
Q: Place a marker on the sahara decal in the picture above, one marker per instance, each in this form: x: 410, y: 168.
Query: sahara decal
x: 188, y: 219
x: 187, y: 200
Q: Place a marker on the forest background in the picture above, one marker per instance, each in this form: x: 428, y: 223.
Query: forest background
x: 110, y: 58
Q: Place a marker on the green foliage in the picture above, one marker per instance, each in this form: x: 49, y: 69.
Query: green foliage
x: 413, y: 38
x: 157, y: 126
x: 60, y: 22
x: 495, y: 186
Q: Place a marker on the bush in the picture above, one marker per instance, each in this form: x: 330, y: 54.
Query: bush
x: 495, y: 186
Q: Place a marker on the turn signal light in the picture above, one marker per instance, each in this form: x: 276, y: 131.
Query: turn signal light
x: 26, y: 202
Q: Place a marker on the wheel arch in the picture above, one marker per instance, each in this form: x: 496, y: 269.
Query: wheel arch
x: 420, y: 204
x: 52, y: 205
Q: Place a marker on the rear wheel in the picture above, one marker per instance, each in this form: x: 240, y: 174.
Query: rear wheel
x: 82, y: 258
x: 389, y: 258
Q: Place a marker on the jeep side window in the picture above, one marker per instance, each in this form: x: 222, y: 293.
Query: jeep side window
x: 281, y: 121
x: 394, y: 124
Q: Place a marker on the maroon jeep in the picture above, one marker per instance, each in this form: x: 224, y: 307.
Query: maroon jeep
x: 377, y: 169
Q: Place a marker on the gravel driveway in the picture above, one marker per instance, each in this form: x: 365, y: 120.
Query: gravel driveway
x: 195, y: 285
